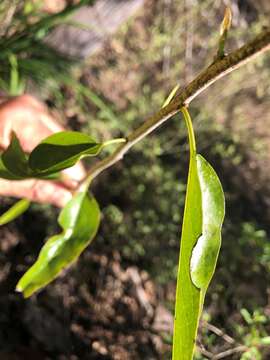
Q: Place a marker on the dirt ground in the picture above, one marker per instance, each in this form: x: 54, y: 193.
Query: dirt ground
x: 99, y: 310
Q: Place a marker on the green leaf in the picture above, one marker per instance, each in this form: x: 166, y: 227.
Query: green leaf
x: 55, y: 153
x: 247, y: 317
x: 14, y: 164
x: 16, y: 210
x: 5, y: 174
x: 170, y: 96
x: 62, y: 150
x: 200, y: 244
x: 205, y: 253
x: 79, y: 219
x: 265, y: 340
x: 15, y: 160
x: 188, y: 296
x: 47, y: 176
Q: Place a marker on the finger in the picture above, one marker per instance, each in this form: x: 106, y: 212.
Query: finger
x: 31, y: 121
x: 41, y: 191
x: 74, y: 174
x: 29, y: 118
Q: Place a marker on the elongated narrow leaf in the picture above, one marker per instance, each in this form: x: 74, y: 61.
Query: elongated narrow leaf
x: 187, y: 304
x: 16, y: 210
x: 200, y: 244
x: 170, y: 96
x: 205, y: 253
x: 80, y: 220
x: 62, y: 150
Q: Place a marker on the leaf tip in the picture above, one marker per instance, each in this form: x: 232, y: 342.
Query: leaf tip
x: 25, y: 289
x: 19, y: 289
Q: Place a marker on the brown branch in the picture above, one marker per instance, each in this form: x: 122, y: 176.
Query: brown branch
x: 224, y: 354
x: 218, y: 69
x: 218, y: 332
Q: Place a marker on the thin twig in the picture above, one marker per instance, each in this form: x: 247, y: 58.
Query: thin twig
x: 206, y: 353
x: 218, y: 69
x: 218, y: 332
x: 227, y: 338
x: 224, y: 354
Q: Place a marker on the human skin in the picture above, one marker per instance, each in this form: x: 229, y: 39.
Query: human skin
x: 32, y: 122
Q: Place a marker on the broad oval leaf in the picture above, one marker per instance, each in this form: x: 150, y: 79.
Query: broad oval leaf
x: 80, y: 220
x: 6, y: 174
x: 14, y: 211
x: 62, y: 150
x: 14, y: 164
x: 15, y: 160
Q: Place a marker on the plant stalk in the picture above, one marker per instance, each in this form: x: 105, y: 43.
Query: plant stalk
x: 218, y: 69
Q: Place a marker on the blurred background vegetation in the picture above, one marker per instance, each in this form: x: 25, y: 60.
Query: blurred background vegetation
x: 117, y: 301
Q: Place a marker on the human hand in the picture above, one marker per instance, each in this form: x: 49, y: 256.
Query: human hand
x: 32, y: 122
